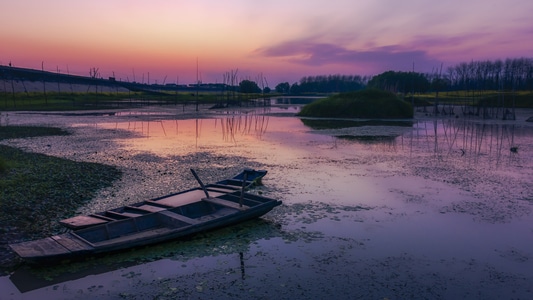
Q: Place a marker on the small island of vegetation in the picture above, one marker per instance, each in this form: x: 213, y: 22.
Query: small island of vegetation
x: 368, y: 103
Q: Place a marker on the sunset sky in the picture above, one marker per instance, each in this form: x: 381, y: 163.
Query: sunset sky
x: 283, y: 40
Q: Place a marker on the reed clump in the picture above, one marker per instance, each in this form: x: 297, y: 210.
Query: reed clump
x: 368, y: 103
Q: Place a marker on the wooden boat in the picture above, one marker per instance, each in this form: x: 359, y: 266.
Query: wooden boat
x: 152, y: 221
x: 139, y: 209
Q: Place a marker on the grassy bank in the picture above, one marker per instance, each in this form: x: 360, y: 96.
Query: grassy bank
x: 53, y: 101
x: 37, y: 190
x: 522, y: 99
x: 370, y: 103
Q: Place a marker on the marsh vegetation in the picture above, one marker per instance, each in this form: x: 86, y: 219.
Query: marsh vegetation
x: 369, y: 103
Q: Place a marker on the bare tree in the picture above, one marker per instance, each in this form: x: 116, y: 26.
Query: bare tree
x: 94, y: 74
x: 44, y: 84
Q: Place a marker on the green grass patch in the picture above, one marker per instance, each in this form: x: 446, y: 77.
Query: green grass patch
x: 62, y: 101
x: 37, y: 190
x: 369, y: 103
x: 3, y: 166
x: 54, y: 101
x: 518, y: 100
x: 521, y: 99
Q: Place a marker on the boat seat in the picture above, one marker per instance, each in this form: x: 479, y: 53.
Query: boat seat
x: 179, y: 217
x: 123, y: 215
x: 220, y: 189
x: 225, y: 203
x: 82, y: 221
x: 148, y: 207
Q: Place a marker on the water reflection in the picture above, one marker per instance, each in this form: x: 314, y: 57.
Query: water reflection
x: 318, y: 124
x: 471, y: 141
x: 491, y: 143
x: 231, y: 127
x: 232, y: 242
x: 293, y: 100
x: 413, y: 199
x: 179, y: 137
x: 370, y: 139
x: 248, y: 124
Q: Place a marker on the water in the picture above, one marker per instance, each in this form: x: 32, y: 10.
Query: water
x: 429, y: 209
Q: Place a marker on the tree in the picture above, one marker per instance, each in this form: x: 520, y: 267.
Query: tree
x: 295, y: 89
x: 248, y: 87
x: 405, y: 82
x: 331, y: 83
x: 283, y: 88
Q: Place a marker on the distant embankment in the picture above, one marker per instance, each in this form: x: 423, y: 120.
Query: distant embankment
x: 369, y: 103
x: 21, y: 80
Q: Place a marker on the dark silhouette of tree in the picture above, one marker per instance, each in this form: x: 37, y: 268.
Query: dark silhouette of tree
x: 404, y: 82
x: 283, y: 88
x: 295, y: 89
x: 248, y: 87
x: 331, y: 83
x: 512, y: 74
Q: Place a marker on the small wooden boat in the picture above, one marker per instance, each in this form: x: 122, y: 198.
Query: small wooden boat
x: 151, y: 221
x: 243, y: 180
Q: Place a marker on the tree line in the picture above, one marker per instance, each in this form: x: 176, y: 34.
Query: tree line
x: 511, y: 74
x: 323, y: 84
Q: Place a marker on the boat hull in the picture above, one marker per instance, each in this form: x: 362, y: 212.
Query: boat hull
x: 162, y: 219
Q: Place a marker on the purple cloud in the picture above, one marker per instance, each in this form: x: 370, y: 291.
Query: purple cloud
x: 315, y: 54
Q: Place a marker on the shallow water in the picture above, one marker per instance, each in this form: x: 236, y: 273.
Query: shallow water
x: 436, y: 209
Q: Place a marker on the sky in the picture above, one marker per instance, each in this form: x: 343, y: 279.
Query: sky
x: 168, y: 41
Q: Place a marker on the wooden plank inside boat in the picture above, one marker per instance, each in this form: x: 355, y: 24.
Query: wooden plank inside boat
x: 226, y: 203
x: 179, y: 217
x: 220, y: 189
x: 185, y: 198
x: 130, y: 214
x: 81, y: 221
x: 71, y: 243
x: 37, y: 248
x: 150, y: 208
x: 156, y: 232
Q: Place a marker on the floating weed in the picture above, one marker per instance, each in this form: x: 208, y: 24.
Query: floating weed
x: 130, y: 275
x: 311, y: 212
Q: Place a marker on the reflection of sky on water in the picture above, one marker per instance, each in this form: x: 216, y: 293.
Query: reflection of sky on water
x: 432, y: 201
x: 248, y: 135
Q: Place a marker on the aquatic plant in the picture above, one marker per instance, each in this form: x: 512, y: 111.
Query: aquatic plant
x: 369, y: 103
